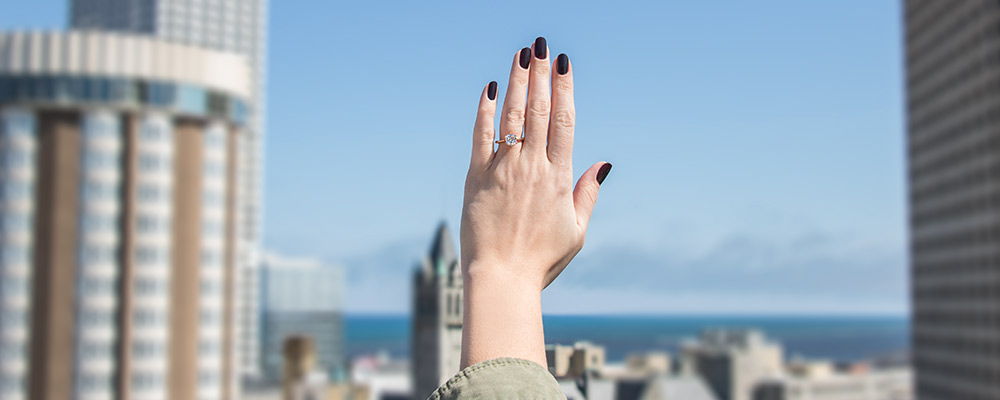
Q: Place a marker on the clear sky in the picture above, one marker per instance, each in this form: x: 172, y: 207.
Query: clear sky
x: 757, y: 146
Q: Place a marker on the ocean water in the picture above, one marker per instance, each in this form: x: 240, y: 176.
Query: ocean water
x: 832, y: 338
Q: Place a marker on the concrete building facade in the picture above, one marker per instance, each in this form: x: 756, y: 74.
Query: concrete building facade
x: 437, y: 316
x: 732, y: 362
x: 822, y: 380
x: 236, y: 26
x: 117, y: 202
x: 953, y: 149
x: 574, y: 361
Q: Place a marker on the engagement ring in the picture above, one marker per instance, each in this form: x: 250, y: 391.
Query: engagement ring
x: 510, y: 139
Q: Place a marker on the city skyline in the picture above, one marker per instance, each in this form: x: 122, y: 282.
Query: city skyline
x: 800, y: 184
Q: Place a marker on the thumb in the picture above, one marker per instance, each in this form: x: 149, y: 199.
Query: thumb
x: 585, y: 194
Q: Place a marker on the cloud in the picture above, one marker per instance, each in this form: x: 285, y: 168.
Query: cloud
x: 745, y: 273
x: 813, y: 272
x: 379, y: 281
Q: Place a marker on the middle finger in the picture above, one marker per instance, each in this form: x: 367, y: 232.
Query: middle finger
x: 536, y: 129
x: 512, y: 116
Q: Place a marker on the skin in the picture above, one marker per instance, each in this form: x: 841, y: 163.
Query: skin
x: 522, y: 220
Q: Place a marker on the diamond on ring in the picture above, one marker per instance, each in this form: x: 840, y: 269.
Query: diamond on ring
x: 511, y: 139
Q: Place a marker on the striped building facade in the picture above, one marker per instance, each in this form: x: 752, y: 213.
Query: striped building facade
x: 117, y: 219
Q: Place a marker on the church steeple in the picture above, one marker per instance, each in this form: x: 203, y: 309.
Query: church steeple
x: 442, y: 252
x: 437, y: 315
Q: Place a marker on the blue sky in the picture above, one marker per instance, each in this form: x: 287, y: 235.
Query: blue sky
x: 758, y: 146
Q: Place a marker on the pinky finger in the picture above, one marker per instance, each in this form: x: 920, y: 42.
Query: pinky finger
x: 482, y: 142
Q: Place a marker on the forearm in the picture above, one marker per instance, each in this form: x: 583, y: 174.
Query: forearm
x: 502, y: 318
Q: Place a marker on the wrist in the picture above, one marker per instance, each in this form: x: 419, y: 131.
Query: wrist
x: 503, y: 315
x: 511, y: 276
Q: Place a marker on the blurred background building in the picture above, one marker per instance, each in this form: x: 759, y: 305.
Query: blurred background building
x: 721, y: 364
x: 302, y: 298
x: 117, y: 200
x: 236, y: 26
x: 733, y: 361
x: 821, y: 380
x: 953, y: 81
x: 437, y: 316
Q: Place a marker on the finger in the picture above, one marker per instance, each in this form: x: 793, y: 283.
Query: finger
x: 563, y: 120
x: 585, y: 194
x: 483, y: 134
x: 512, y: 115
x: 537, y: 119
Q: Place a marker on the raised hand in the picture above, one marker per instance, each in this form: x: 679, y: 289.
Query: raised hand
x: 522, y: 220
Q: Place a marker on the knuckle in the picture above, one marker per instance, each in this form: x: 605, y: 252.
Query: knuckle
x: 539, y: 107
x: 564, y: 84
x: 514, y: 117
x: 485, y: 132
x: 519, y: 80
x: 564, y: 118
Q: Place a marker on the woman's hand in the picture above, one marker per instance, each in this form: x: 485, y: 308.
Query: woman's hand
x: 522, y: 220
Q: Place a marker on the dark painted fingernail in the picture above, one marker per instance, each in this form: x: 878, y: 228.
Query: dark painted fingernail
x: 540, y: 49
x: 491, y: 91
x: 603, y: 173
x: 524, y: 58
x: 562, y: 64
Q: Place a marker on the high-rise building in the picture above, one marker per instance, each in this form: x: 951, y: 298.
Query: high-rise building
x: 117, y: 191
x: 301, y: 298
x: 238, y: 26
x: 437, y: 316
x: 953, y: 146
x: 733, y: 362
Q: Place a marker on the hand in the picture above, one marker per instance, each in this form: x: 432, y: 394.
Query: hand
x: 521, y: 212
x: 522, y: 221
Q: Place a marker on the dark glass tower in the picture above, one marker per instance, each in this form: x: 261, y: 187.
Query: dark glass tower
x: 953, y: 144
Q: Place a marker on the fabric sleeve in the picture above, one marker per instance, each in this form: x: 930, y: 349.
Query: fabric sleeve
x: 501, y: 378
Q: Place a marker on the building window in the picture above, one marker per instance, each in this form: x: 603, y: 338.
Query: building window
x: 149, y: 255
x: 147, y: 318
x: 147, y: 349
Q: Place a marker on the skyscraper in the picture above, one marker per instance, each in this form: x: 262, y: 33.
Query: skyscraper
x: 953, y: 145
x: 301, y: 298
x: 117, y: 191
x: 238, y: 26
x: 437, y: 316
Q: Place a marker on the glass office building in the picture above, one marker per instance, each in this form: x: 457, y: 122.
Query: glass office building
x: 301, y: 297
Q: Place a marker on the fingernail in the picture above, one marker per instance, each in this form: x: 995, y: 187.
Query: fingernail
x: 603, y: 173
x: 540, y: 49
x: 491, y: 91
x: 562, y: 64
x: 524, y: 58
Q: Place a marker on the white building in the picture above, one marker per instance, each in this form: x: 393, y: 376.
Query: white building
x: 238, y: 26
x: 117, y: 179
x: 821, y: 381
x: 379, y: 377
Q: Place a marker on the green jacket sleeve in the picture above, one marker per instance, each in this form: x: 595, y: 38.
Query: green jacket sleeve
x: 501, y: 378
